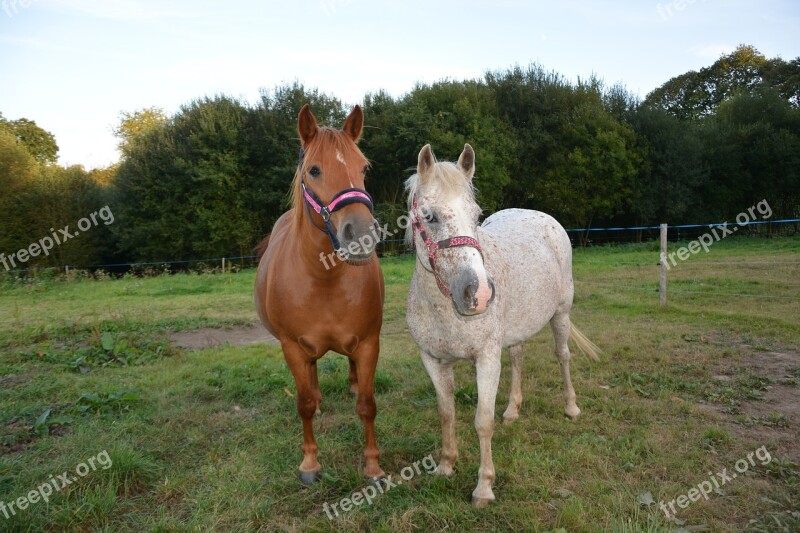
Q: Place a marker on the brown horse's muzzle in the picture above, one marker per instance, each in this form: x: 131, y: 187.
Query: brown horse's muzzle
x: 358, y: 233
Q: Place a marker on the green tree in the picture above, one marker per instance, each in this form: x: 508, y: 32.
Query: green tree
x: 575, y: 159
x: 39, y: 143
x: 137, y: 124
x: 695, y: 95
x: 593, y: 176
x: 178, y: 186
x: 671, y: 182
x: 211, y: 180
x: 18, y: 169
x: 752, y: 149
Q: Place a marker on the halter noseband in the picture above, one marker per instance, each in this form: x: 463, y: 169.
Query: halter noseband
x: 340, y: 200
x: 432, y: 247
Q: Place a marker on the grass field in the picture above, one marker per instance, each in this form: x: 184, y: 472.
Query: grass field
x: 209, y: 440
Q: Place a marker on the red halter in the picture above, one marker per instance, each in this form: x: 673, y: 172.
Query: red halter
x: 432, y: 247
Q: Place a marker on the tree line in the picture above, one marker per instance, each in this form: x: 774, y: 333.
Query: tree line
x: 210, y: 180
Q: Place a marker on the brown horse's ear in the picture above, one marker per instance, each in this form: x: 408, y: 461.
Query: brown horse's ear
x: 354, y: 124
x: 466, y: 161
x: 306, y: 125
x: 425, y: 162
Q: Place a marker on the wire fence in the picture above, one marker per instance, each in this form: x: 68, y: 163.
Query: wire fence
x: 586, y: 237
x: 771, y: 279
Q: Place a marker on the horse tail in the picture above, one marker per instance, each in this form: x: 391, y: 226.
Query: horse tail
x: 261, y: 247
x: 589, y: 348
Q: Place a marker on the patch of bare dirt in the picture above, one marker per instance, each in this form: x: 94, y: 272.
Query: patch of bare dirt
x: 15, y: 436
x: 775, y: 417
x: 12, y: 380
x: 201, y: 339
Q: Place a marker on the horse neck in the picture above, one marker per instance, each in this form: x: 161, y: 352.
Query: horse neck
x: 309, y: 242
x: 427, y: 288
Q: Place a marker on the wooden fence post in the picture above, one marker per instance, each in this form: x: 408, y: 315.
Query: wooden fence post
x: 662, y: 286
x: 223, y: 265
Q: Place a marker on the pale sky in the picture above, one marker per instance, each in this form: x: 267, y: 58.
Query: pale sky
x: 74, y: 65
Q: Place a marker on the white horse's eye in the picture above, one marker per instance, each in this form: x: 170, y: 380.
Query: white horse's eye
x: 431, y: 218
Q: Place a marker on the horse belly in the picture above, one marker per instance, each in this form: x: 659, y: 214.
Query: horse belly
x: 534, y: 255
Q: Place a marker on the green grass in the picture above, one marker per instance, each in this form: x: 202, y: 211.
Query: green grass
x: 209, y: 440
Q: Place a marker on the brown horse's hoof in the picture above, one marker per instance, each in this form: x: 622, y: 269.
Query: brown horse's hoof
x: 480, y: 503
x: 377, y: 481
x: 309, y: 478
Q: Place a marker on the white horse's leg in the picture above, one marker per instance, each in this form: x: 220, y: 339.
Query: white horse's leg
x: 561, y: 326
x: 441, y: 374
x: 515, y: 397
x: 487, y: 368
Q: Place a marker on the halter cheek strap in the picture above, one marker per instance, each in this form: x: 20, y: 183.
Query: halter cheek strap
x: 432, y: 247
x: 339, y: 201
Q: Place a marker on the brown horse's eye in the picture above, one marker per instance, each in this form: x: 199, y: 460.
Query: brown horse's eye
x: 315, y: 172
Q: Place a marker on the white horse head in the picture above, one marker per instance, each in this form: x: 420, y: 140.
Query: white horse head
x: 443, y: 229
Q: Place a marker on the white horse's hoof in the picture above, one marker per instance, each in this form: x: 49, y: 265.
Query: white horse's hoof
x: 509, y: 417
x: 572, y: 412
x: 480, y: 503
x: 443, y: 470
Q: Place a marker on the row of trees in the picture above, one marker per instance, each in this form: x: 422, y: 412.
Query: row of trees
x: 39, y: 197
x: 210, y: 180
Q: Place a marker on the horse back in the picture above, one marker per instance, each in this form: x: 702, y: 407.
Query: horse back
x: 532, y: 235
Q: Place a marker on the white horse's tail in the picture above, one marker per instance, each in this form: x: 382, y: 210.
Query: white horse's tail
x: 589, y: 348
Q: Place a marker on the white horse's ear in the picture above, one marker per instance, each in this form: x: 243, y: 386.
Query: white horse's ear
x: 425, y: 162
x: 466, y: 161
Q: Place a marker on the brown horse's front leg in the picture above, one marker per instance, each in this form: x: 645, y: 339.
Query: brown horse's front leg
x: 366, y: 360
x: 353, y: 378
x: 315, y: 388
x: 302, y: 369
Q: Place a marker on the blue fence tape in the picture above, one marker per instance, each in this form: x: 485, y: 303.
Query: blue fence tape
x: 687, y: 226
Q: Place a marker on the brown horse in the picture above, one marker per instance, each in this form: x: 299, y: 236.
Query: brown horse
x: 319, y: 285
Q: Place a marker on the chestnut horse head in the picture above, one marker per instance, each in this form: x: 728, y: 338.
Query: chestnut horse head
x: 330, y: 176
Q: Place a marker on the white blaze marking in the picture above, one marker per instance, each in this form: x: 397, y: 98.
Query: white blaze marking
x: 340, y: 159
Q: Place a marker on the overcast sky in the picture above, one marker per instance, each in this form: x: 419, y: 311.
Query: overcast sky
x: 74, y: 65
